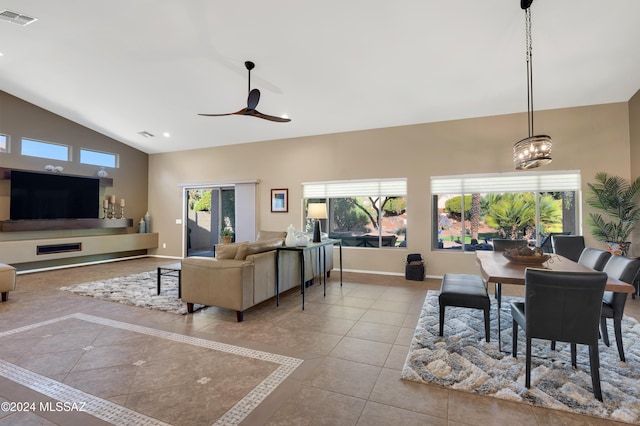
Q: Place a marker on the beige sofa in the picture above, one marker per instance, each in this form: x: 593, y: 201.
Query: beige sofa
x: 244, y: 274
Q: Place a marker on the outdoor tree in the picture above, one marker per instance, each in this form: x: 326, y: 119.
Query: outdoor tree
x: 511, y: 214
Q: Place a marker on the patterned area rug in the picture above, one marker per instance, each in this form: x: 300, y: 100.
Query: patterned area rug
x: 463, y: 360
x: 136, y: 290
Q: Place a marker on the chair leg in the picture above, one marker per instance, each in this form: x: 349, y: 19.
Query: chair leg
x: 240, y: 316
x: 603, y: 331
x: 487, y: 324
x: 594, y: 361
x: 514, y: 340
x: 527, y: 377
x: 553, y: 345
x: 617, y: 327
x: 574, y: 357
x: 442, y: 320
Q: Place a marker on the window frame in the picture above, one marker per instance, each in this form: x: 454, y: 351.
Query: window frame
x: 51, y: 144
x: 5, y: 144
x: 341, y: 189
x: 502, y: 183
x: 116, y: 158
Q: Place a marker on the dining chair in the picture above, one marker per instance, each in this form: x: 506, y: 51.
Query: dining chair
x: 561, y: 306
x: 502, y: 244
x: 594, y: 258
x: 569, y: 246
x: 627, y: 270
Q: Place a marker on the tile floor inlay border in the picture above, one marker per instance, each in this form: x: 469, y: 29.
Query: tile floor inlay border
x: 112, y: 412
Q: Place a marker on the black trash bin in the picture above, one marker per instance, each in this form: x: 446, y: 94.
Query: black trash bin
x: 414, y: 270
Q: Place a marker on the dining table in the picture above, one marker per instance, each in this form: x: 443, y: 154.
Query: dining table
x: 496, y: 268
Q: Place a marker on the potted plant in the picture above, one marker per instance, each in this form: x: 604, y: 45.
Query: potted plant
x: 617, y: 199
x: 225, y: 235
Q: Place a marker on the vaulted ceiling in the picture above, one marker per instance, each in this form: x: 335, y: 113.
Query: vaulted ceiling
x: 124, y: 67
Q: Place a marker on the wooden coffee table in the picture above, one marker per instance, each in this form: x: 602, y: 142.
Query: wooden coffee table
x: 173, y: 268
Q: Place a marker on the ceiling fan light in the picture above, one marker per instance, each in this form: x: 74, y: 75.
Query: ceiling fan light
x: 532, y: 152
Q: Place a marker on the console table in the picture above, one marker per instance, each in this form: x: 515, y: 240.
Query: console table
x: 322, y: 257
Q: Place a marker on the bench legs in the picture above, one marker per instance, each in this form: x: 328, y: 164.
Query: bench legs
x: 487, y: 319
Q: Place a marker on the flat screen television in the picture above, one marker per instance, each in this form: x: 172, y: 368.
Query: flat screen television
x: 37, y: 195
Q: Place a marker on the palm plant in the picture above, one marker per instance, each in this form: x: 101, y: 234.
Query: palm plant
x: 617, y: 198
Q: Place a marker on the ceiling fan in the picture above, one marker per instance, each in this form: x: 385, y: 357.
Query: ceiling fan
x: 252, y: 102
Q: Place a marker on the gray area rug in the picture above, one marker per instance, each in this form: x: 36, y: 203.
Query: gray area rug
x: 136, y: 290
x: 463, y: 360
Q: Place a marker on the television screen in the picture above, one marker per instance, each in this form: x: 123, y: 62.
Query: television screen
x: 50, y: 196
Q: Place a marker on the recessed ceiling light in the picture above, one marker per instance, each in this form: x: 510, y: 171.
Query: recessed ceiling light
x: 166, y: 134
x: 284, y: 116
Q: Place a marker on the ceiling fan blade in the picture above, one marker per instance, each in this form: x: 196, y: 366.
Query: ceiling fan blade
x: 253, y: 99
x: 258, y: 114
x: 243, y: 111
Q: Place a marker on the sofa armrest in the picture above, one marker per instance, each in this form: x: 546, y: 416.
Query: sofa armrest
x: 224, y: 283
x: 264, y: 265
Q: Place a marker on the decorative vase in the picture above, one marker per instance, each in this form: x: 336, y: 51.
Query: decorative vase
x: 618, y: 248
x: 147, y: 222
x: 141, y: 226
x: 226, y: 239
x: 290, y: 240
x: 102, y: 173
x: 302, y: 241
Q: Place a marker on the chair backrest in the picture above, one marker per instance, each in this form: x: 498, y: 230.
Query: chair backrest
x: 546, y: 244
x: 594, y: 258
x: 622, y: 268
x: 563, y: 306
x: 500, y: 244
x: 569, y: 246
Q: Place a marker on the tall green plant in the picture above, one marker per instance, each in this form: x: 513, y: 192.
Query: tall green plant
x: 617, y: 198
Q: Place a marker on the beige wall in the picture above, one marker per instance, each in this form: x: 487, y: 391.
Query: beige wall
x: 20, y: 119
x: 589, y: 139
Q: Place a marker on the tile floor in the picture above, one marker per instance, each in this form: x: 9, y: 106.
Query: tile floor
x: 349, y: 348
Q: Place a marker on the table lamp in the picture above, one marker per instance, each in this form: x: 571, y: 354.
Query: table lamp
x: 317, y: 211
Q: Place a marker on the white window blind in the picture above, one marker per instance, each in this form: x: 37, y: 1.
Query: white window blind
x: 355, y: 188
x: 506, y: 182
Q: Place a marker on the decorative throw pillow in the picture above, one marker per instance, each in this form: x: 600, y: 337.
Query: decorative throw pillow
x: 227, y: 251
x: 242, y: 252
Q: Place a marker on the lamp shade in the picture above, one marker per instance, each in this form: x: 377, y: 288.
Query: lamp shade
x: 531, y: 152
x: 317, y: 211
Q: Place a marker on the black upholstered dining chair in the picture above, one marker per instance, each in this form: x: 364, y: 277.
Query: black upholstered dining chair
x: 594, y: 258
x: 627, y: 270
x: 502, y: 244
x: 561, y: 306
x: 569, y: 246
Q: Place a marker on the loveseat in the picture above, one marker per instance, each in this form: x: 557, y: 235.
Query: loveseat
x: 244, y: 274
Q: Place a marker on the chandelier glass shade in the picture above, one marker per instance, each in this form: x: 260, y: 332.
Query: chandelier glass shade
x: 532, y: 151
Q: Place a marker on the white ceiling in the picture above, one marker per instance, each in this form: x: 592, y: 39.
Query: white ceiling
x: 121, y: 66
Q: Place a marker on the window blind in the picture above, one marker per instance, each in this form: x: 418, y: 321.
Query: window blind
x: 355, y: 188
x: 506, y: 182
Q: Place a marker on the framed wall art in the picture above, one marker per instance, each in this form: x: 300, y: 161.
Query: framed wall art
x: 279, y: 200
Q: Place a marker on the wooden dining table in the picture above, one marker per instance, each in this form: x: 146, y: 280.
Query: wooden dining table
x: 497, y: 269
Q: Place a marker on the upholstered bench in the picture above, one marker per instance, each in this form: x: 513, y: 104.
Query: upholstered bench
x: 7, y: 280
x: 465, y: 291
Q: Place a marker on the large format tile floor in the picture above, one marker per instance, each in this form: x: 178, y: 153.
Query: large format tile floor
x: 338, y: 362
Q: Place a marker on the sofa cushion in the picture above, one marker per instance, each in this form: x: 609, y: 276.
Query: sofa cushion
x: 262, y: 246
x: 228, y: 251
x: 270, y: 235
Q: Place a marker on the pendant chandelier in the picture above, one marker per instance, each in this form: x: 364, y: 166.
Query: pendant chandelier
x: 532, y: 151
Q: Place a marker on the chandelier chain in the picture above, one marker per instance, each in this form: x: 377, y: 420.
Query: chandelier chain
x: 529, y: 48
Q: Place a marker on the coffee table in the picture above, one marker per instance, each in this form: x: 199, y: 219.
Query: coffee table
x: 173, y: 268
